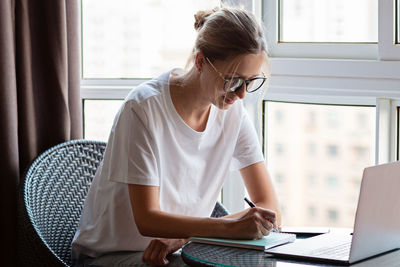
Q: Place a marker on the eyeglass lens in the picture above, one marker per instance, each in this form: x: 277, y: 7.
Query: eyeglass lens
x: 237, y: 83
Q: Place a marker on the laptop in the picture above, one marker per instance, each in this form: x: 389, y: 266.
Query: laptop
x: 376, y: 227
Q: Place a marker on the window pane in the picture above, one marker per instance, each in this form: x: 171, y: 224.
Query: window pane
x: 316, y: 155
x: 99, y: 117
x: 137, y: 39
x: 329, y: 21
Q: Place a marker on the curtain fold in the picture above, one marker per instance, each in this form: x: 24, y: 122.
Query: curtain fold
x: 40, y: 102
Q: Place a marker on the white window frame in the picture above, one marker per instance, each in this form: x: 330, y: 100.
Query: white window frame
x: 388, y: 49
x: 385, y: 49
x: 387, y: 130
x: 310, y: 50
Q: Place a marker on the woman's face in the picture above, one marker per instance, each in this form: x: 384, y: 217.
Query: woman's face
x: 249, y: 67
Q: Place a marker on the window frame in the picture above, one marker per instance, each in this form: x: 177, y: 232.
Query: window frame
x: 385, y: 49
x: 388, y: 48
x: 310, y: 50
x: 387, y: 130
x: 322, y: 76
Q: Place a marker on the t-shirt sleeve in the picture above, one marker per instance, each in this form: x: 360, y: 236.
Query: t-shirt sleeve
x: 248, y: 149
x: 130, y: 154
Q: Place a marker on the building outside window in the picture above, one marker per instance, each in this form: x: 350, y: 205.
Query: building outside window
x: 302, y: 169
x: 333, y: 215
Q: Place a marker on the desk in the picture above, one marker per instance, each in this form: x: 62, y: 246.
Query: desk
x: 129, y: 258
x: 196, y: 254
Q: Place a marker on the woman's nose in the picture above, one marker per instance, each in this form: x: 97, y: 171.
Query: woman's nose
x: 241, y: 92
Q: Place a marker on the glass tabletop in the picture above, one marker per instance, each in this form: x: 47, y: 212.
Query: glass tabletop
x: 196, y: 254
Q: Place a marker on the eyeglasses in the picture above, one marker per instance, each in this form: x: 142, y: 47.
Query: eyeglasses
x: 235, y: 83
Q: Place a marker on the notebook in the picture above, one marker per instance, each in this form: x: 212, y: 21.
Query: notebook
x: 376, y: 228
x: 304, y: 231
x: 269, y: 241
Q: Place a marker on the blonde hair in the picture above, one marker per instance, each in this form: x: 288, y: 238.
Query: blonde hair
x: 227, y: 33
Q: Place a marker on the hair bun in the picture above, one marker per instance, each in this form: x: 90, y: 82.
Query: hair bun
x: 201, y: 16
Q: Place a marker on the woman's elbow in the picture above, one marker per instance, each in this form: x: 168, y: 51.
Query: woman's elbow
x: 144, y: 231
x: 145, y: 226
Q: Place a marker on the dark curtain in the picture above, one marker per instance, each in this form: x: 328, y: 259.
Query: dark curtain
x: 39, y: 94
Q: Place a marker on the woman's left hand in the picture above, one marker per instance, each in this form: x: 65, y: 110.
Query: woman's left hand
x: 158, y: 249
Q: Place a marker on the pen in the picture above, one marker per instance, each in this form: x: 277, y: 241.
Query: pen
x: 252, y: 205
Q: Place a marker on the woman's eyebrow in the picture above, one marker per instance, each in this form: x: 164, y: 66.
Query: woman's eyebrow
x: 238, y: 75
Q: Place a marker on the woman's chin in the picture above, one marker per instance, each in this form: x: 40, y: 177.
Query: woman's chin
x: 224, y: 103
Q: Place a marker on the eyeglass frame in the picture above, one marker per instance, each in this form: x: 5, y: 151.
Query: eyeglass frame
x: 246, y: 82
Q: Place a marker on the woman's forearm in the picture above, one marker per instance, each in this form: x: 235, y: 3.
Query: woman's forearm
x: 151, y: 221
x: 161, y: 224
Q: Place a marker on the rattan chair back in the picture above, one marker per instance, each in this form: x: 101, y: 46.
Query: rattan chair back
x: 55, y: 188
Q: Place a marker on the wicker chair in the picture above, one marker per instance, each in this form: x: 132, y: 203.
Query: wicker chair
x: 51, y: 200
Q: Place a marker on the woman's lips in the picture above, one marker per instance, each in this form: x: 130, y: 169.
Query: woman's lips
x: 229, y: 101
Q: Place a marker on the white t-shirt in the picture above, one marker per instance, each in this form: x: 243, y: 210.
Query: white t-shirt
x: 150, y: 144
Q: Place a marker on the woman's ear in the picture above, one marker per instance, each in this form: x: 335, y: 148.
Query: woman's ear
x: 199, y: 61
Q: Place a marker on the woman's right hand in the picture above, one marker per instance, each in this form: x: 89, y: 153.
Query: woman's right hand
x: 254, y: 224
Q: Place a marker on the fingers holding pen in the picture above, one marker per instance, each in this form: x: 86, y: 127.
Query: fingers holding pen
x: 270, y: 215
x: 267, y: 218
x: 272, y: 221
x: 254, y: 224
x: 262, y: 222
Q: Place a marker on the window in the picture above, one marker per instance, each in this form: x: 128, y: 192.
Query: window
x: 123, y: 45
x: 137, y: 39
x: 335, y: 168
x: 311, y: 120
x: 278, y: 116
x: 340, y: 29
x: 311, y: 211
x: 312, y: 180
x: 332, y: 119
x: 333, y: 215
x: 279, y: 178
x: 126, y: 42
x: 332, y: 183
x: 304, y: 69
x: 99, y: 117
x: 362, y: 119
x: 279, y: 149
x: 312, y: 149
x: 337, y: 21
x: 389, y: 33
x: 332, y: 150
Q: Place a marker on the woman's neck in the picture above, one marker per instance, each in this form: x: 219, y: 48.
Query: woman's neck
x: 189, y: 101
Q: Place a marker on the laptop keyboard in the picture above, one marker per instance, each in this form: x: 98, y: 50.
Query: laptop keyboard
x: 341, y: 251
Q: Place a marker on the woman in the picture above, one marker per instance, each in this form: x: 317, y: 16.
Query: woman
x: 172, y: 145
